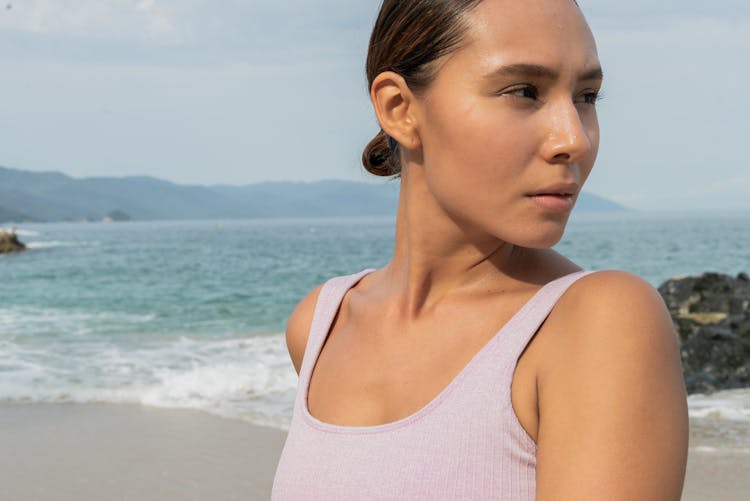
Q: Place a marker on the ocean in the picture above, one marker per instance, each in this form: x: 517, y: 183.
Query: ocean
x: 191, y: 314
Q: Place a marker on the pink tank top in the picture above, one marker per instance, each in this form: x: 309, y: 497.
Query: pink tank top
x: 467, y: 443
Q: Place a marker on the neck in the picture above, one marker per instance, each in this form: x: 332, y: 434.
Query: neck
x: 434, y: 256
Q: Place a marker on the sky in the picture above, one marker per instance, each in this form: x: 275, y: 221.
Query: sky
x: 244, y: 91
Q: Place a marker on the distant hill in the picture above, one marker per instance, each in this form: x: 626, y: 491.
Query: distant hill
x: 13, y: 215
x: 53, y: 196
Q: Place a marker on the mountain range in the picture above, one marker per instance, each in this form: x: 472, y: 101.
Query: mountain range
x: 53, y: 196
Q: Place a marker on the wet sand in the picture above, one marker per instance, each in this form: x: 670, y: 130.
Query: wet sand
x: 122, y: 452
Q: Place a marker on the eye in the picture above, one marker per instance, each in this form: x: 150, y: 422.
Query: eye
x: 522, y: 91
x: 590, y: 97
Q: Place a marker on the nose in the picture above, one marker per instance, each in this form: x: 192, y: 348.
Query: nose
x: 567, y: 139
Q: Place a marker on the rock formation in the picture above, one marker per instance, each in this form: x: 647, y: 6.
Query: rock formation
x: 9, y: 242
x: 711, y: 313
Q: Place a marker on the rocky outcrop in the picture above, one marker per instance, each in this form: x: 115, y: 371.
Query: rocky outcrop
x: 711, y: 313
x: 9, y: 242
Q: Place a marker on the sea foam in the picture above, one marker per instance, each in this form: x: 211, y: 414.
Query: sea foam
x: 247, y: 378
x: 730, y: 405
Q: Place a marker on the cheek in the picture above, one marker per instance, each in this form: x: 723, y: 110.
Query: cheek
x: 477, y: 144
x: 475, y: 163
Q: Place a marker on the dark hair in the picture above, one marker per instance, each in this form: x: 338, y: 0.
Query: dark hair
x: 408, y: 37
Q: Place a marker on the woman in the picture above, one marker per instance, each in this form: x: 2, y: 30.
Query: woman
x: 407, y: 388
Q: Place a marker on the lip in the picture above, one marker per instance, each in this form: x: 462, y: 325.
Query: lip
x: 557, y: 189
x: 553, y: 203
x: 555, y: 197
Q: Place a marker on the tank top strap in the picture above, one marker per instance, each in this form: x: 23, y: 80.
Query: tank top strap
x: 524, y: 325
x: 329, y: 300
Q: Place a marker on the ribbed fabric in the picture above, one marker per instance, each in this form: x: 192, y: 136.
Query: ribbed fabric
x: 467, y: 443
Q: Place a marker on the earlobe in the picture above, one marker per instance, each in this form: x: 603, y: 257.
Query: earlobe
x: 394, y: 106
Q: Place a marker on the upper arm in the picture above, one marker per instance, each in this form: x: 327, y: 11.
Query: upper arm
x: 298, y: 327
x: 613, y: 421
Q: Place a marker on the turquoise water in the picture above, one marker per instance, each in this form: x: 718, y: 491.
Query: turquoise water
x: 191, y: 314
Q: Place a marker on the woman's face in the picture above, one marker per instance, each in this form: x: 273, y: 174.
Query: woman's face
x: 510, y: 114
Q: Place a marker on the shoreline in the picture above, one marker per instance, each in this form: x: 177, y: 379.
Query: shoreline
x: 70, y: 451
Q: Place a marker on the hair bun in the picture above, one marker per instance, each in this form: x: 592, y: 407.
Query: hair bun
x: 378, y: 157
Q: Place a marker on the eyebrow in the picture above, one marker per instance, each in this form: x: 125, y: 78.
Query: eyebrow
x: 537, y: 71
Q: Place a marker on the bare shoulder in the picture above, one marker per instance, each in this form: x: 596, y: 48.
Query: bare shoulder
x: 616, y: 295
x: 613, y: 418
x: 298, y: 327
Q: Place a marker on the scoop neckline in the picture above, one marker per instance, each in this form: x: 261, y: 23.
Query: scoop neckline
x: 437, y: 400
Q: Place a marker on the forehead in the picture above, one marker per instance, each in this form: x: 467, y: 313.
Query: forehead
x: 552, y: 33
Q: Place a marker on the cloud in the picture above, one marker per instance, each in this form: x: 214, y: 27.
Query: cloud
x: 730, y: 191
x: 144, y: 20
x: 233, y: 18
x: 681, y: 34
x: 245, y: 84
x: 176, y: 32
x: 633, y: 13
x: 735, y: 185
x: 674, y: 112
x: 145, y: 4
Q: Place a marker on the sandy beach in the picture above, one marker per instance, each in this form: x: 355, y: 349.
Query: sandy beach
x: 718, y: 462
x: 717, y: 477
x: 122, y: 452
x: 80, y: 452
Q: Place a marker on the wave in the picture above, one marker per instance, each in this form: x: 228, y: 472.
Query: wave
x: 21, y: 233
x: 728, y: 405
x: 242, y: 377
x: 30, y: 321
x: 56, y: 243
x: 721, y: 451
x: 247, y: 378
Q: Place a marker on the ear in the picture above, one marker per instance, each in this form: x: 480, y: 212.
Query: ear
x: 395, y: 108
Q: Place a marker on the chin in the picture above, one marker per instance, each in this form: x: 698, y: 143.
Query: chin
x: 540, y: 239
